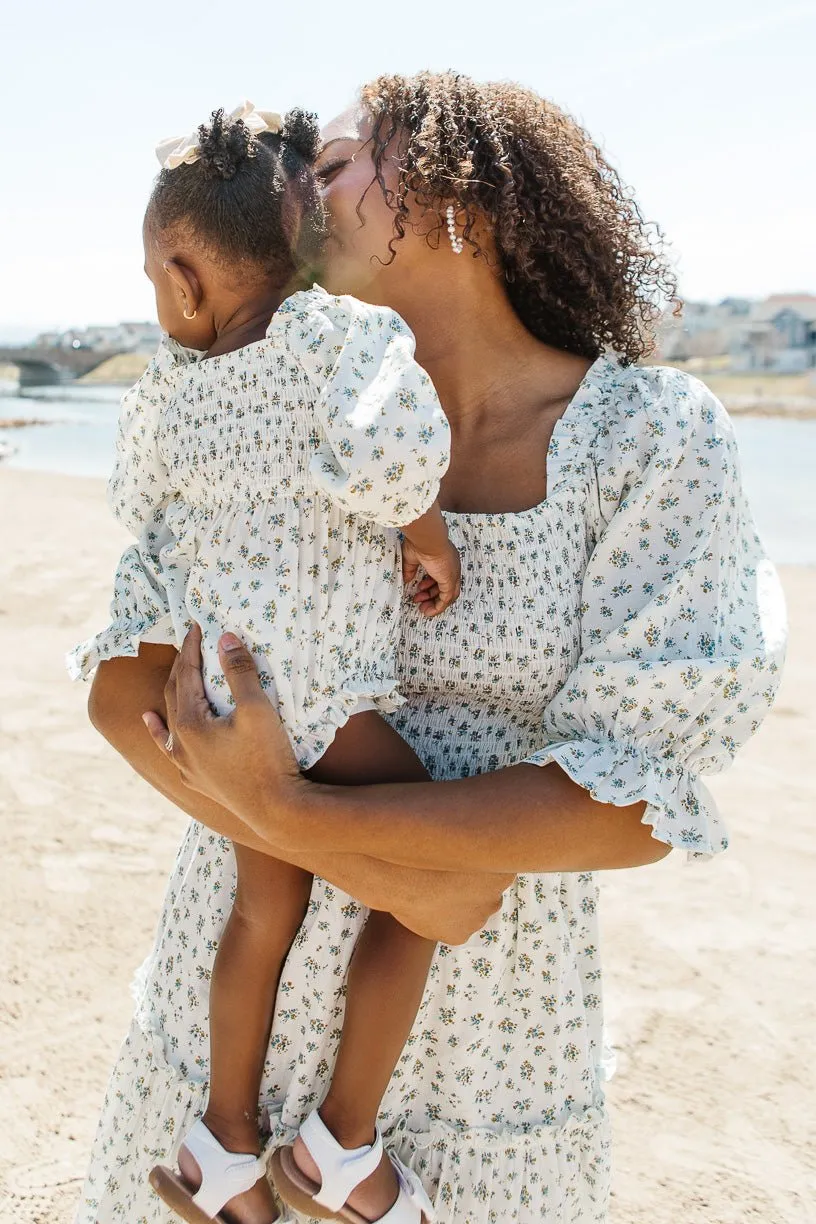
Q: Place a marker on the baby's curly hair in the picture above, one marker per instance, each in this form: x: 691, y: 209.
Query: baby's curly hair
x: 584, y: 271
x: 247, y: 199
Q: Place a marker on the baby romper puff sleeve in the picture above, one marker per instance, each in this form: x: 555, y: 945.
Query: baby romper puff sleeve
x: 683, y: 622
x: 138, y: 495
x: 386, y: 440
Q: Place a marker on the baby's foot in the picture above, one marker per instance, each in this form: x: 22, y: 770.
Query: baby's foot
x: 255, y: 1206
x: 374, y: 1196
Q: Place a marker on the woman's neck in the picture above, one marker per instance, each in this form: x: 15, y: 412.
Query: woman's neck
x: 488, y: 369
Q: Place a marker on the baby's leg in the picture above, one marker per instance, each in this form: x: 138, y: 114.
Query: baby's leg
x: 270, y: 903
x: 386, y: 978
x: 386, y: 981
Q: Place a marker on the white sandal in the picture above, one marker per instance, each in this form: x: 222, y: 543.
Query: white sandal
x: 341, y: 1170
x: 223, y: 1175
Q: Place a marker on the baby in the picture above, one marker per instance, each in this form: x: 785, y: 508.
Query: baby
x: 267, y: 462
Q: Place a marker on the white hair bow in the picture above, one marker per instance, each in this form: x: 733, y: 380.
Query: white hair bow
x: 184, y: 150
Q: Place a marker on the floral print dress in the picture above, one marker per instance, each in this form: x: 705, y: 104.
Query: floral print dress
x: 265, y: 488
x: 629, y: 628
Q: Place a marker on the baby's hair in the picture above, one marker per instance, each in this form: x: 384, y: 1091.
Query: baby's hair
x: 251, y: 199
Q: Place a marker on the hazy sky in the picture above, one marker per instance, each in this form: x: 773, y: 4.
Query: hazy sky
x: 707, y: 109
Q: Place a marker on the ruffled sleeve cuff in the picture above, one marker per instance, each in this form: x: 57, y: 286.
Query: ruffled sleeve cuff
x: 140, y: 612
x: 119, y: 639
x: 679, y: 807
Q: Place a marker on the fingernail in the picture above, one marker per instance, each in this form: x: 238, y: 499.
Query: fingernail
x: 230, y: 642
x: 146, y: 720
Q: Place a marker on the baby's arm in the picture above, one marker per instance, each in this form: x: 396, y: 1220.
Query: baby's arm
x: 426, y: 544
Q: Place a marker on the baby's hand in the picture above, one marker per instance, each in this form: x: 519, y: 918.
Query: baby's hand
x: 443, y: 577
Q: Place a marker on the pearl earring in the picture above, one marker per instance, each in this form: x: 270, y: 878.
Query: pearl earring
x: 457, y: 243
x: 192, y: 316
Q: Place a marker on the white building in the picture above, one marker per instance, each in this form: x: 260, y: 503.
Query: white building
x: 703, y: 329
x: 779, y: 337
x: 120, y: 338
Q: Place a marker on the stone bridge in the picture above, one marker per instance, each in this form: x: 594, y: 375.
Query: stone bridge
x: 41, y: 366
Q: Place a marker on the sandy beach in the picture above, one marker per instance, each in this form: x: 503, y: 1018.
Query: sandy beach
x: 711, y: 970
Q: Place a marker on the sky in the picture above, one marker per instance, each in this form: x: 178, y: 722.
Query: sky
x: 707, y: 109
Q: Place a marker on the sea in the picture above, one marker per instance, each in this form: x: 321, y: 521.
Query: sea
x: 778, y: 456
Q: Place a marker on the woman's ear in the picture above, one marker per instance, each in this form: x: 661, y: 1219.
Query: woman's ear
x: 187, y: 285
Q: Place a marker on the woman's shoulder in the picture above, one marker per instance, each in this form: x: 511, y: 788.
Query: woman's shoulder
x: 624, y: 417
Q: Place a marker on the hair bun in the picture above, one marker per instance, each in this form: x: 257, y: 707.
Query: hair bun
x: 301, y: 132
x: 224, y: 145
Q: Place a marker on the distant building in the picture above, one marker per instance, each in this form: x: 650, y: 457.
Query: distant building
x: 777, y: 335
x: 703, y: 329
x: 780, y: 336
x: 120, y: 338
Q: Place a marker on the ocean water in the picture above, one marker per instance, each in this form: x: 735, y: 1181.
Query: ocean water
x: 778, y: 457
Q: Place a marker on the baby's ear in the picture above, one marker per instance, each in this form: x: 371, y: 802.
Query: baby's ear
x: 301, y: 132
x: 185, y: 282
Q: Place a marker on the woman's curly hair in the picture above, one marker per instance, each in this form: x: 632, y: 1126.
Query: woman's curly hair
x: 584, y: 271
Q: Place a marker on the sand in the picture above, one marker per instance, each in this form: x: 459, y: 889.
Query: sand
x: 710, y: 969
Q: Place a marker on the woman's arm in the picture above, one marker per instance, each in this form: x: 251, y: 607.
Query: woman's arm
x: 520, y: 819
x: 439, y: 905
x: 524, y: 819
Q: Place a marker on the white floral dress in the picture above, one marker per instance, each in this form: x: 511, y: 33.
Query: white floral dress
x: 629, y: 628
x: 265, y: 488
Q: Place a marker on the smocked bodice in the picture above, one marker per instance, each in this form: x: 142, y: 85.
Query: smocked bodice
x: 479, y: 679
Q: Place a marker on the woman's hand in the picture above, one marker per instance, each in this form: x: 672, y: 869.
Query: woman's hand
x: 443, y: 906
x: 235, y: 759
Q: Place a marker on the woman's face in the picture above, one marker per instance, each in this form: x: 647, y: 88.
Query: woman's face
x: 357, y: 259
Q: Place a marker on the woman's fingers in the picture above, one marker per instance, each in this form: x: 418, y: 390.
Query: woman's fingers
x: 186, y: 664
x: 190, y: 706
x: 240, y: 670
x: 159, y: 732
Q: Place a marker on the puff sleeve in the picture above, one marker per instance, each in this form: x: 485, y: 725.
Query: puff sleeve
x: 385, y: 441
x: 683, y: 622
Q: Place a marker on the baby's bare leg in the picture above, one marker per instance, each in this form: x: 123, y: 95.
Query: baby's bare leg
x: 270, y: 903
x: 386, y: 978
x: 386, y: 982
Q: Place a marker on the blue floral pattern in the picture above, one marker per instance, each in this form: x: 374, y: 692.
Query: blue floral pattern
x: 265, y: 488
x: 628, y: 627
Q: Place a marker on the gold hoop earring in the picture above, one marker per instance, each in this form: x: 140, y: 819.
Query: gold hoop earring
x: 192, y: 316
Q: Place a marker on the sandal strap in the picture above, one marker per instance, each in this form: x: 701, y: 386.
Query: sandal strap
x: 223, y: 1174
x: 413, y: 1202
x: 341, y: 1169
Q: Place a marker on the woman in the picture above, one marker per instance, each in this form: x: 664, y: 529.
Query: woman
x: 618, y: 624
